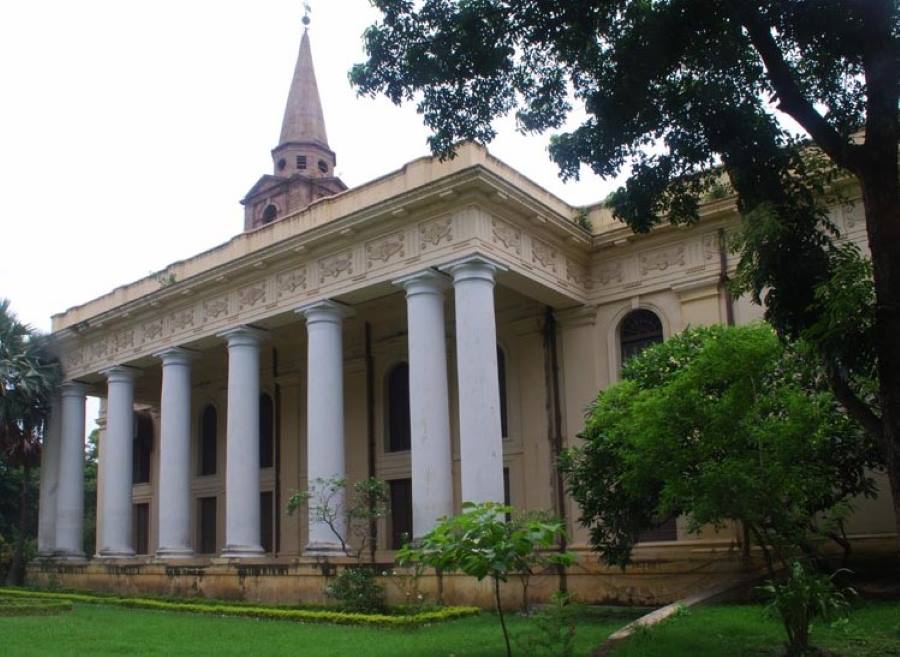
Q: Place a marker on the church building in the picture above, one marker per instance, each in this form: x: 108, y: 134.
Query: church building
x: 442, y: 327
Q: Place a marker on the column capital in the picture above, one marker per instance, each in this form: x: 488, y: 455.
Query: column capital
x: 73, y: 389
x: 427, y: 281
x: 176, y: 356
x: 120, y: 373
x: 473, y: 267
x: 325, y: 311
x: 243, y: 336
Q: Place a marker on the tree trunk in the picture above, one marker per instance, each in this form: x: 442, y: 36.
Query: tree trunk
x: 882, y: 205
x: 500, y: 613
x: 16, y: 574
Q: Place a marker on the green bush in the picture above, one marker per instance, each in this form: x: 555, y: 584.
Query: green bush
x: 356, y: 590
x: 250, y: 611
x: 805, y: 597
x: 552, y: 631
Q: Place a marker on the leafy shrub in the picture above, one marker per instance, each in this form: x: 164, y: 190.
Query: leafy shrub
x: 803, y: 598
x: 552, y: 631
x: 356, y: 590
x: 32, y: 606
x: 267, y: 613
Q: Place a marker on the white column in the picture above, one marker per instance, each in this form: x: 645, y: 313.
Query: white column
x: 429, y: 410
x: 480, y: 439
x: 175, y: 455
x: 242, y: 522
x: 117, y: 456
x: 49, y: 480
x: 324, y: 410
x: 70, y: 490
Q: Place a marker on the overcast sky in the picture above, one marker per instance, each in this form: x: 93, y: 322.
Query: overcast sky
x: 129, y: 132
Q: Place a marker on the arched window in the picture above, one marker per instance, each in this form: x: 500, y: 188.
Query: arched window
x: 142, y: 448
x: 269, y: 213
x: 639, y: 329
x: 266, y: 431
x: 501, y: 375
x: 398, y: 428
x: 208, y: 434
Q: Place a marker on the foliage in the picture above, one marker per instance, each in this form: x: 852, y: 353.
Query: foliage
x: 89, y: 527
x: 29, y: 375
x: 356, y: 589
x: 552, y: 633
x: 481, y: 543
x: 348, y: 511
x: 805, y: 597
x: 719, y: 424
x: 406, y: 578
x: 674, y: 90
x: 257, y: 611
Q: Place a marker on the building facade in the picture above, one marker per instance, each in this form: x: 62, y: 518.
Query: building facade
x: 442, y: 327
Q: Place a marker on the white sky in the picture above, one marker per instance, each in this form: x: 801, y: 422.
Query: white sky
x: 129, y: 132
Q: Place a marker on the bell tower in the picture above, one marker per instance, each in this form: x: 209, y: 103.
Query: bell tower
x: 303, y: 162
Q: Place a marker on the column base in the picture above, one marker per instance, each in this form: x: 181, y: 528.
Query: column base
x: 324, y: 550
x: 109, y: 553
x: 167, y: 554
x: 71, y: 557
x: 242, y: 552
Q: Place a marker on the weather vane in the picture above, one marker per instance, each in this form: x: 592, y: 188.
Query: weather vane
x: 306, y: 10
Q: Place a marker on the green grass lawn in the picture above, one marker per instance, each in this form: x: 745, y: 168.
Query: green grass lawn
x: 872, y: 630
x: 99, y: 631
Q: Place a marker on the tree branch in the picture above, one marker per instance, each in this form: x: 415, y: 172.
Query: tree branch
x: 790, y: 97
x: 857, y: 408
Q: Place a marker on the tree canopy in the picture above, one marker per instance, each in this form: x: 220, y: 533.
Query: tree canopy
x: 720, y: 424
x: 674, y: 89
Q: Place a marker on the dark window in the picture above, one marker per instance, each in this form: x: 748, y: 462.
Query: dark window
x: 301, y: 161
x: 401, y: 512
x: 501, y: 375
x: 506, y: 497
x: 266, y: 521
x: 281, y: 164
x: 266, y: 431
x: 269, y: 214
x: 142, y: 528
x: 206, y: 527
x: 142, y: 449
x: 667, y: 530
x: 398, y: 408
x: 208, y: 435
x: 639, y: 330
x: 323, y: 166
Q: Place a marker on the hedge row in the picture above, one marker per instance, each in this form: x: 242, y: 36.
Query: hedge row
x: 32, y: 606
x: 268, y: 613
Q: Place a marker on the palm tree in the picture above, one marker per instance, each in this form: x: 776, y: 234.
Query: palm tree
x: 29, y: 375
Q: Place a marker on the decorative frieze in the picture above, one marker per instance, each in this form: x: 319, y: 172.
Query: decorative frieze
x: 124, y: 340
x: 288, y: 283
x: 252, y: 295
x: 662, y: 259
x: 543, y: 254
x: 506, y: 235
x: 384, y: 249
x: 183, y: 319
x: 710, y: 245
x: 577, y: 273
x: 152, y: 330
x: 433, y: 233
x: 336, y: 267
x: 215, y: 308
x: 610, y: 272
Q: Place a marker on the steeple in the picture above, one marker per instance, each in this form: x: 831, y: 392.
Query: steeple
x: 303, y: 117
x: 304, y: 164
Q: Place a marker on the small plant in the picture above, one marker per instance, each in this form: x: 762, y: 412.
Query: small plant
x: 406, y: 579
x: 582, y: 220
x: 165, y: 279
x: 481, y: 543
x: 552, y: 633
x: 356, y: 590
x: 806, y: 596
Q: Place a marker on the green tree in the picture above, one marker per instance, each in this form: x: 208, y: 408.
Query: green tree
x: 672, y: 89
x: 89, y: 532
x: 720, y: 424
x: 481, y: 543
x: 29, y: 375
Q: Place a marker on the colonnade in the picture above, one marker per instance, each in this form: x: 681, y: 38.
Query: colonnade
x: 481, y: 450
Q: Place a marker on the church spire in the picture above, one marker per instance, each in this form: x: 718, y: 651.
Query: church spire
x: 303, y: 117
x: 304, y: 164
